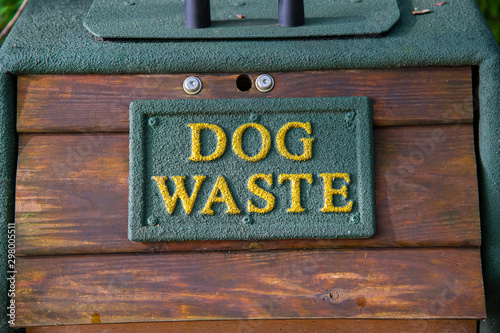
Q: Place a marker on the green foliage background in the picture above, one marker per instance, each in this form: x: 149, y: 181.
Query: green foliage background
x: 490, y: 9
x: 8, y: 9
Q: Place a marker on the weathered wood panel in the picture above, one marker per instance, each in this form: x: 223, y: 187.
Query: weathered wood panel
x: 272, y: 326
x: 72, y: 195
x: 99, y: 103
x: 395, y: 283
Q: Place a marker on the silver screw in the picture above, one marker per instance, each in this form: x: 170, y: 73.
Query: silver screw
x: 192, y: 85
x: 264, y: 83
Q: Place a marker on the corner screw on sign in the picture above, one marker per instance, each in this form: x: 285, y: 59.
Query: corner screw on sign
x: 247, y: 220
x: 152, y: 122
x: 152, y: 220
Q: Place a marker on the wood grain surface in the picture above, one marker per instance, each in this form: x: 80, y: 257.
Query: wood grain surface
x: 76, y: 266
x: 369, y: 284
x: 99, y: 103
x: 72, y: 193
x: 275, y: 326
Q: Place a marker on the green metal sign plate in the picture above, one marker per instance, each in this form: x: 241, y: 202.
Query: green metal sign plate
x: 165, y: 19
x: 251, y: 169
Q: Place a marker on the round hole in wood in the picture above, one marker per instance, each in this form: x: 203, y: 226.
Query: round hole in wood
x: 244, y: 82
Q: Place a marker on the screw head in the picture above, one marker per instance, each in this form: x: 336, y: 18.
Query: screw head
x: 247, y: 220
x: 264, y: 83
x: 254, y: 117
x: 152, y: 220
x: 152, y: 122
x: 192, y: 85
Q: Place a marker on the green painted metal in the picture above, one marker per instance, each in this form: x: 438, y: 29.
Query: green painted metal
x: 165, y: 19
x: 49, y: 37
x: 8, y: 153
x: 161, y: 145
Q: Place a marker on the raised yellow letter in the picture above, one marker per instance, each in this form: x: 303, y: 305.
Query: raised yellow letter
x: 227, y: 197
x: 196, y: 144
x: 295, y: 186
x: 328, y: 178
x: 180, y: 192
x: 252, y: 186
x: 280, y: 140
x: 266, y: 142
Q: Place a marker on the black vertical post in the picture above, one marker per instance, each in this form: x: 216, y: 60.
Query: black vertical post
x: 290, y: 13
x: 197, y: 14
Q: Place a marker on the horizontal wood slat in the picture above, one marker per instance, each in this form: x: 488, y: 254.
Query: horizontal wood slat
x: 72, y: 193
x: 395, y: 284
x: 99, y: 103
x: 273, y: 326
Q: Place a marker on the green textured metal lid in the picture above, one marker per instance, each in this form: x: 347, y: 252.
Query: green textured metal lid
x: 238, y: 19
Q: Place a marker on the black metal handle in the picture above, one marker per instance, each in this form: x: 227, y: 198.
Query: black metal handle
x: 290, y: 13
x: 197, y: 13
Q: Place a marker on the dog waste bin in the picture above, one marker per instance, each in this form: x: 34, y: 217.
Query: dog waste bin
x: 250, y: 166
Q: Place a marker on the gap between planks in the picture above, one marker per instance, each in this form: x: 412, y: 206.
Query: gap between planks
x: 269, y: 325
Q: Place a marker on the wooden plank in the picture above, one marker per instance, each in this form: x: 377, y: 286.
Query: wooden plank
x: 376, y: 284
x: 271, y: 326
x: 90, y: 103
x: 72, y: 193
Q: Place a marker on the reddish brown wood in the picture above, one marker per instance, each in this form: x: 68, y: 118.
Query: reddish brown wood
x: 270, y: 326
x: 395, y: 284
x: 72, y: 195
x: 99, y: 103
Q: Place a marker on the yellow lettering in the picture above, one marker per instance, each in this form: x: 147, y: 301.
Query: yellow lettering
x: 280, y: 140
x: 266, y: 142
x: 180, y: 192
x: 252, y: 186
x: 227, y: 197
x: 295, y: 186
x: 328, y: 178
x: 196, y: 144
